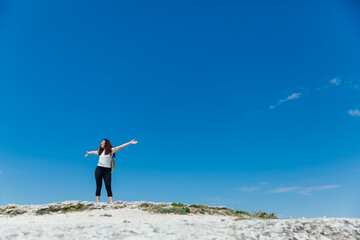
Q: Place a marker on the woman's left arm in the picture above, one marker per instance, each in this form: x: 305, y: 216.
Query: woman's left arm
x: 124, y: 145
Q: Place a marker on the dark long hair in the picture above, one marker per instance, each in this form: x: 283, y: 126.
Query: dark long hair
x: 107, y: 147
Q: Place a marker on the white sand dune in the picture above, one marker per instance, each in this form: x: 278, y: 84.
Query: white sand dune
x: 125, y: 220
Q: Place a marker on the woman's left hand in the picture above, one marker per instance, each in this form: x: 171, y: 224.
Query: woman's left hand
x: 133, y: 142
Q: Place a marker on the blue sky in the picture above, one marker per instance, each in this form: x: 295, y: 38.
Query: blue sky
x: 254, y: 106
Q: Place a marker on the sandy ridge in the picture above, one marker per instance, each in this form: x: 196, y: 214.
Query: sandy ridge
x: 124, y: 220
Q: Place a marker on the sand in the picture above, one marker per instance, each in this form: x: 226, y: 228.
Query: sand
x: 125, y: 220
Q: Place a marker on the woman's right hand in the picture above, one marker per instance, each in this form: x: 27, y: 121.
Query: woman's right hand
x: 87, y: 153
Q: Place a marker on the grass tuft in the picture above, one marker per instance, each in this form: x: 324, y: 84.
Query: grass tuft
x: 178, y: 205
x: 73, y: 208
x: 42, y: 211
x: 180, y: 208
x: 62, y: 209
x: 265, y: 215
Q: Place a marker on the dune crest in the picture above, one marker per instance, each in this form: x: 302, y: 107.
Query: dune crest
x: 149, y: 220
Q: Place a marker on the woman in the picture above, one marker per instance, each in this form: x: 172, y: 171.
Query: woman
x: 103, y: 169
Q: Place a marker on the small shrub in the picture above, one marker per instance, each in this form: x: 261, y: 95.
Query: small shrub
x: 42, y: 211
x: 15, y: 212
x: 73, y: 208
x: 11, y: 207
x: 242, y: 212
x: 265, y: 215
x: 229, y: 212
x: 180, y: 208
x: 199, y: 206
x: 195, y: 206
x: 80, y: 206
x: 144, y: 205
x: 107, y: 215
x: 163, y: 209
x: 273, y: 216
x: 221, y: 208
x: 178, y: 205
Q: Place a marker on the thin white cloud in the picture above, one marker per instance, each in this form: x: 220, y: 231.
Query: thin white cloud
x: 254, y: 188
x: 303, y: 190
x: 0, y: 172
x: 281, y: 101
x: 283, y: 189
x: 354, y: 112
x: 292, y: 96
x: 308, y: 190
x: 248, y: 189
x: 335, y: 81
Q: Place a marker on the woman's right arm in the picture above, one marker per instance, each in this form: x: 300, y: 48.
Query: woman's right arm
x: 92, y: 152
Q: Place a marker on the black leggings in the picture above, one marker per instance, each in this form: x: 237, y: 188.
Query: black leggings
x: 100, y: 173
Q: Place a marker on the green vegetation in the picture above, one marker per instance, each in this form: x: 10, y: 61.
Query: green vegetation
x: 259, y: 215
x: 42, y: 212
x: 178, y: 205
x: 64, y: 209
x: 107, y: 215
x: 181, y: 208
x: 73, y: 208
x: 161, y: 208
x: 242, y: 212
x: 11, y: 207
x: 16, y: 212
x: 144, y: 205
x: 11, y: 210
x: 198, y: 206
x: 175, y: 210
x: 265, y: 215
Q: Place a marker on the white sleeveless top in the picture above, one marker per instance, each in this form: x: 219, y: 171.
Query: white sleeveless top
x: 105, y: 160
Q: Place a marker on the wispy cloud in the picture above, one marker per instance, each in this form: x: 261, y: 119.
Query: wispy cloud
x: 283, y: 189
x: 248, y: 189
x: 336, y: 81
x: 253, y: 188
x: 308, y: 190
x: 281, y: 101
x: 354, y: 112
x: 0, y: 172
x: 300, y: 92
x: 292, y: 96
x: 303, y: 190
